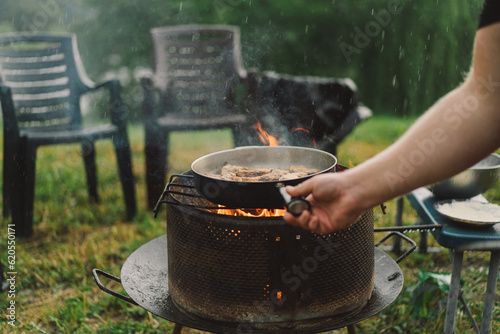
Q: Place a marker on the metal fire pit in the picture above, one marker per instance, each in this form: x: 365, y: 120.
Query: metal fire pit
x: 144, y: 277
x: 261, y: 269
x: 227, y: 274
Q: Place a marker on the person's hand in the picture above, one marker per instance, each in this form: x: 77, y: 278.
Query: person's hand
x: 333, y: 206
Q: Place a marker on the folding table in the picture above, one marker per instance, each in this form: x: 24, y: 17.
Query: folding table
x: 458, y: 239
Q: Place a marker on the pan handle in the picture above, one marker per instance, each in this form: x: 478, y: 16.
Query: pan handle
x: 294, y: 205
x: 401, y: 235
x: 96, y: 272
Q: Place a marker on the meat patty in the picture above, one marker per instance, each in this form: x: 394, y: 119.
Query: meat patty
x: 252, y: 174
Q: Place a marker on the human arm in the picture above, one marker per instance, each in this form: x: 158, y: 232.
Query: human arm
x: 457, y: 131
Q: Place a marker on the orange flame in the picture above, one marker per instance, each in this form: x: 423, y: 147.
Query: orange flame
x: 249, y: 212
x: 299, y: 129
x: 266, y: 138
x: 306, y: 131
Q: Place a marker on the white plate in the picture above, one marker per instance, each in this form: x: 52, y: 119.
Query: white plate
x: 470, y: 212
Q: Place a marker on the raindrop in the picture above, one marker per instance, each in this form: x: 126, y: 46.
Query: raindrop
x: 307, y: 28
x: 180, y: 7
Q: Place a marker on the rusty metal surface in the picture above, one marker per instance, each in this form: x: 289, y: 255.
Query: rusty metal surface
x: 144, y: 278
x: 261, y: 269
x: 231, y: 271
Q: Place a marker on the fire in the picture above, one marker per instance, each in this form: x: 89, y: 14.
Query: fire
x: 299, y: 129
x: 306, y: 131
x: 266, y: 138
x: 249, y: 212
x: 269, y: 140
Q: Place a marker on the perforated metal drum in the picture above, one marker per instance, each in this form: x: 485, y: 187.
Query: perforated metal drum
x: 260, y: 269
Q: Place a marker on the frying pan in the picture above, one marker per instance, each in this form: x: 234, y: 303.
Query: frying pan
x: 265, y: 195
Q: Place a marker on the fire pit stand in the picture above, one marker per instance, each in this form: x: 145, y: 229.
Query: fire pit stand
x: 144, y: 278
x: 234, y: 274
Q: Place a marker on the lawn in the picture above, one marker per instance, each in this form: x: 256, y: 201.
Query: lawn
x: 56, y: 293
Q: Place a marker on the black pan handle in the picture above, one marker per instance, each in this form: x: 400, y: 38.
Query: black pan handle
x: 97, y: 272
x: 294, y: 205
x: 401, y: 235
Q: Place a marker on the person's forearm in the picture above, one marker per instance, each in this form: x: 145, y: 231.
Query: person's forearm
x: 459, y: 130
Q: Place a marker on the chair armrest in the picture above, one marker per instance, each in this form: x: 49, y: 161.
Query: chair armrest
x: 108, y: 84
x: 242, y: 74
x: 118, y: 112
x: 364, y: 112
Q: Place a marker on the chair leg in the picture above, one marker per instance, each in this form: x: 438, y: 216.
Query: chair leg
x: 24, y: 194
x: 237, y: 136
x: 88, y: 153
x: 351, y: 329
x: 9, y: 166
x: 156, y: 154
x: 3, y: 283
x: 125, y: 169
x: 12, y: 183
x: 177, y: 329
x: 12, y: 164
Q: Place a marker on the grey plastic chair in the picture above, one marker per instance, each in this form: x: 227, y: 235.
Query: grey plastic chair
x: 197, y: 69
x: 42, y: 82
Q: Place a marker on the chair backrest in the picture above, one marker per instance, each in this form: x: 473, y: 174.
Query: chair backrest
x: 46, y: 76
x: 197, y: 68
x: 301, y: 108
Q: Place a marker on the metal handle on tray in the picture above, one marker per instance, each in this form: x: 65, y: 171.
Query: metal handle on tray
x: 401, y: 235
x: 96, y: 272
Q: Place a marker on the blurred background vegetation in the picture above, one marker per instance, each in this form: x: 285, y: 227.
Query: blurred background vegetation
x: 402, y: 63
x: 402, y: 54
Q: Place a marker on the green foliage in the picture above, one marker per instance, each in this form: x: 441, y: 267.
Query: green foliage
x: 403, y: 54
x: 430, y: 294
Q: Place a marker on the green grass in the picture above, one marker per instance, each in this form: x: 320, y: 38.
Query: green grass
x: 55, y: 291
